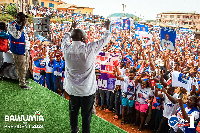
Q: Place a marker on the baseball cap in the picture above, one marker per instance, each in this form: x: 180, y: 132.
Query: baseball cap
x: 21, y: 14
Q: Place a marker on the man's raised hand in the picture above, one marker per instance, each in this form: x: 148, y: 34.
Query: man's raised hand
x: 74, y: 24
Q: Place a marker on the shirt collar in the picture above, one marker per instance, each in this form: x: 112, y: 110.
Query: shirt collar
x: 77, y: 43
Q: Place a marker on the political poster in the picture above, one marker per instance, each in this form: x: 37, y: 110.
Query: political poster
x: 118, y: 25
x: 181, y: 80
x: 168, y: 37
x: 146, y: 39
x: 104, y: 62
x: 140, y: 29
x: 126, y: 24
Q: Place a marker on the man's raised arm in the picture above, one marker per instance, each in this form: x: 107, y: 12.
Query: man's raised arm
x: 104, y: 40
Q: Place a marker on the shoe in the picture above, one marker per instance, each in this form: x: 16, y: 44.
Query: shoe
x: 100, y: 108
x: 115, y: 117
x: 63, y: 95
x: 107, y: 111
x: 122, y: 122
x: 140, y: 129
x: 76, y: 131
x: 28, y: 82
x: 25, y: 87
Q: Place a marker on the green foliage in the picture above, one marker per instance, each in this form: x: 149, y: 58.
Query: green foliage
x: 12, y: 9
x: 30, y: 19
x: 6, y: 18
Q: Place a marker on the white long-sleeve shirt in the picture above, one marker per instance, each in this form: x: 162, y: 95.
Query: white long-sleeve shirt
x: 80, y: 64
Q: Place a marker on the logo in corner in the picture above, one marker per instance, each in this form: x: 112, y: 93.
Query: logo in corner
x: 173, y: 121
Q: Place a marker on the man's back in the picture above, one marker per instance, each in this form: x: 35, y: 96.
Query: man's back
x: 80, y: 65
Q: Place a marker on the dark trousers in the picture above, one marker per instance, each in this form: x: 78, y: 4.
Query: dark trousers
x: 86, y: 104
x: 102, y: 95
x: 58, y: 84
x: 112, y: 100
x: 156, y: 118
x: 163, y: 127
x: 117, y: 102
x: 49, y: 81
x: 98, y: 99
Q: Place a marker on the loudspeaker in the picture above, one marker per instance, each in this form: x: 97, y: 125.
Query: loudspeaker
x: 37, y: 20
x: 44, y: 34
x: 41, y: 20
x: 37, y: 33
x: 38, y: 27
x: 45, y: 28
x: 46, y: 20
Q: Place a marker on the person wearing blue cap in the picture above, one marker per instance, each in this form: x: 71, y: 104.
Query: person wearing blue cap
x: 58, y: 65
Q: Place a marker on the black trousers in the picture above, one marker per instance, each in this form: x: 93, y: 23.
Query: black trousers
x: 86, y: 104
x: 163, y: 127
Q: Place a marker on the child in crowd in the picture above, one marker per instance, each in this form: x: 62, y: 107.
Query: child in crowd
x: 39, y: 68
x: 58, y: 65
x: 128, y: 93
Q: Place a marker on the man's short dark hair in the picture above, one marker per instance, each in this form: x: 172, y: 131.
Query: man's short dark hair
x: 3, y: 26
x: 77, y: 34
x: 21, y: 14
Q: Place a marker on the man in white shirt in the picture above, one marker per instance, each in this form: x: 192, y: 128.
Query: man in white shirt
x: 80, y: 82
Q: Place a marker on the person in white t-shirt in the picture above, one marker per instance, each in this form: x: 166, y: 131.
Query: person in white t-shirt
x: 183, y: 113
x: 170, y: 106
x: 144, y: 96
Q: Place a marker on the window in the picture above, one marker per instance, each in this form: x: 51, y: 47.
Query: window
x: 171, y: 16
x: 194, y: 17
x: 42, y: 4
x: 178, y: 16
x: 165, y: 16
x: 51, y: 5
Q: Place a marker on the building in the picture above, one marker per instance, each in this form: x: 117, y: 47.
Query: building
x: 56, y: 4
x: 179, y: 18
x: 83, y: 10
x: 75, y: 8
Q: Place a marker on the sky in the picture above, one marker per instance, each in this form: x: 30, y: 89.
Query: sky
x: 148, y: 9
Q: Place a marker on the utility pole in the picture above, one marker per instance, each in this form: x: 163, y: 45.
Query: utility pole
x: 17, y: 6
x: 124, y: 6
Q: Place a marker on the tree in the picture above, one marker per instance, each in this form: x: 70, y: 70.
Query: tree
x: 12, y: 9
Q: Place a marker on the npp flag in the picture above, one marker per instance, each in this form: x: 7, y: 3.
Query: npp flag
x: 104, y: 62
x: 181, y: 80
x: 146, y: 39
x: 41, y: 38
